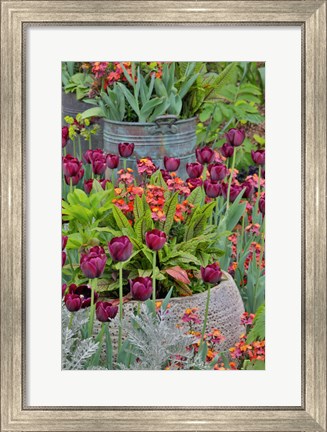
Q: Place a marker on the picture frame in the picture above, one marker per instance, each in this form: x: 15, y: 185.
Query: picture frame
x: 310, y: 16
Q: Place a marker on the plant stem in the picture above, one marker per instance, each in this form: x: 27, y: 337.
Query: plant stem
x: 65, y: 151
x: 138, y: 308
x: 71, y: 320
x: 205, y: 318
x: 71, y: 184
x: 74, y: 148
x: 216, y: 210
x: 154, y: 264
x: 125, y: 164
x: 259, y: 191
x: 90, y: 143
x: 93, y: 283
x: 79, y: 148
x: 120, y: 331
x: 113, y: 177
x: 231, y: 177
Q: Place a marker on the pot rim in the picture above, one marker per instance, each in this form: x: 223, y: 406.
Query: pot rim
x: 144, y: 123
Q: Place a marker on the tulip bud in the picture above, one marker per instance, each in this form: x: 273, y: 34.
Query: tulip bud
x: 84, y: 292
x: 204, y: 155
x: 258, y: 156
x: 93, y: 262
x: 88, y: 184
x: 171, y: 164
x: 194, y: 169
x: 218, y: 171
x: 73, y: 302
x: 64, y: 136
x: 212, y: 189
x: 155, y: 239
x: 235, y: 137
x: 112, y: 161
x: 141, y: 288
x: 105, y: 311
x: 211, y: 273
x: 125, y: 149
x: 165, y: 175
x: 249, y: 189
x: 227, y: 150
x: 63, y: 242
x: 104, y: 182
x: 193, y: 183
x: 63, y: 258
x: 71, y: 166
x: 235, y: 190
x: 98, y: 164
x: 120, y: 248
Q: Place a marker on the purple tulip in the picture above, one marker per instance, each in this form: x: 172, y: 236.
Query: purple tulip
x: 125, y: 149
x: 212, y: 189
x: 141, y: 288
x: 235, y: 137
x: 171, y: 164
x: 73, y: 302
x: 64, y: 240
x: 218, y: 171
x: 165, y: 175
x: 193, y: 183
x: 90, y: 155
x: 112, y: 161
x: 262, y: 204
x: 84, y: 292
x: 64, y: 136
x: 93, y: 262
x: 105, y: 311
x: 104, y: 182
x: 249, y: 189
x: 120, y: 248
x: 76, y: 178
x: 258, y: 157
x: 155, y: 239
x: 194, y: 170
x: 204, y: 155
x: 98, y: 164
x: 88, y: 184
x: 71, y: 166
x: 211, y: 274
x: 227, y: 150
x: 235, y: 190
x: 63, y: 258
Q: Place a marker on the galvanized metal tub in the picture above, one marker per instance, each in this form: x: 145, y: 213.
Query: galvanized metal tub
x: 70, y: 106
x: 167, y: 136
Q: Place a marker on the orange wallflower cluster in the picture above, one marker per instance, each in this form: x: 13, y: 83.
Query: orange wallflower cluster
x: 182, y: 210
x: 244, y: 351
x: 176, y: 184
x: 156, y: 199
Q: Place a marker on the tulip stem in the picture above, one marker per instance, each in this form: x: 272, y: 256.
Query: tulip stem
x: 125, y: 164
x: 154, y: 264
x: 79, y: 148
x: 74, y: 148
x: 113, y: 177
x: 70, y: 320
x: 217, y: 211
x: 231, y: 177
x: 93, y: 284
x: 120, y: 306
x: 205, y: 318
x: 71, y: 184
x: 90, y: 143
x: 259, y: 191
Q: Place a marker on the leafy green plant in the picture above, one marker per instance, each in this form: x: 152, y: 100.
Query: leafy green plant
x: 79, y: 83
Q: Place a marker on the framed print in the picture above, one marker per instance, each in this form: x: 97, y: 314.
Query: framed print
x: 189, y: 196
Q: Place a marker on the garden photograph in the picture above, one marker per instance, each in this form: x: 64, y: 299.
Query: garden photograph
x: 163, y: 215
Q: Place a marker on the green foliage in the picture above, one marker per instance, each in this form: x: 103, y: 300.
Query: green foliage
x: 79, y: 83
x: 258, y: 330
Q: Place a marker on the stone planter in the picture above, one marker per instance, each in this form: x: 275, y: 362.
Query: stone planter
x: 225, y: 310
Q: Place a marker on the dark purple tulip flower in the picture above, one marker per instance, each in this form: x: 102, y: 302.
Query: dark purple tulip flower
x: 112, y: 161
x: 93, y: 262
x: 218, y: 171
x: 193, y: 183
x: 64, y: 136
x: 63, y: 290
x: 141, y: 288
x: 73, y: 302
x: 211, y: 274
x: 125, y: 149
x: 64, y: 240
x: 235, y: 137
x: 88, y: 184
x: 227, y: 150
x: 120, y: 248
x: 262, y: 204
x: 104, y: 182
x: 235, y: 190
x: 155, y: 239
x: 98, y: 164
x: 76, y: 178
x: 84, y: 292
x: 165, y: 175
x: 212, y: 189
x: 105, y: 311
x: 63, y: 258
x: 258, y: 157
x: 194, y: 169
x: 71, y: 166
x: 204, y: 155
x: 249, y: 189
x: 171, y: 164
